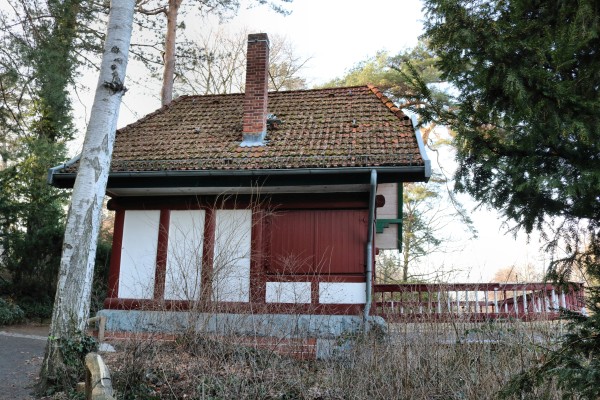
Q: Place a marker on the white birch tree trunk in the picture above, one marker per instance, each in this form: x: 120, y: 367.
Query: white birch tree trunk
x: 73, y: 293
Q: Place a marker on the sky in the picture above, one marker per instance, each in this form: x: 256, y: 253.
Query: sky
x: 336, y: 35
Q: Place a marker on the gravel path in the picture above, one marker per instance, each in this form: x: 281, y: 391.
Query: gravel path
x: 21, y: 353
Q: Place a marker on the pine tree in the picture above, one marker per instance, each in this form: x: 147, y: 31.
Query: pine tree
x: 36, y: 71
x: 527, y: 119
x: 528, y: 115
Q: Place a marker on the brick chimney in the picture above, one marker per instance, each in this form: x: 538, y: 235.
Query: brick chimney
x: 257, y: 84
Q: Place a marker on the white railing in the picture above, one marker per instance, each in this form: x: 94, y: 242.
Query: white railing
x: 477, y: 301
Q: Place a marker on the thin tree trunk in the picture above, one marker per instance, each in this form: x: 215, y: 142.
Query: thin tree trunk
x: 407, y: 235
x: 405, y: 261
x: 169, y: 56
x: 72, y: 301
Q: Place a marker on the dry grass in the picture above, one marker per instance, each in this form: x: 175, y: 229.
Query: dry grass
x: 198, y: 367
x: 416, y: 361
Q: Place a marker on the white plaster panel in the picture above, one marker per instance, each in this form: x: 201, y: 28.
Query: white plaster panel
x: 388, y: 239
x: 231, y: 263
x: 342, y: 293
x: 138, y: 254
x: 390, y: 192
x: 184, y: 255
x: 288, y: 292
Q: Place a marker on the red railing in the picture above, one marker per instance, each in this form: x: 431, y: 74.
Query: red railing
x: 476, y: 301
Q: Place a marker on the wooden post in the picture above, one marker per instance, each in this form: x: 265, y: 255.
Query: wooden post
x: 496, y: 310
x: 98, y: 384
x: 458, y: 310
x: 486, y: 300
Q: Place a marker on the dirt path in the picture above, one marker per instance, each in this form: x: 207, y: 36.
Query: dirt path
x: 21, y: 353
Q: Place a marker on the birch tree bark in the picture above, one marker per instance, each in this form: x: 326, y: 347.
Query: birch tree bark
x: 73, y: 293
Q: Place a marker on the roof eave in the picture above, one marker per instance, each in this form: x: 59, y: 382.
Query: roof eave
x: 54, y: 171
x: 263, y: 177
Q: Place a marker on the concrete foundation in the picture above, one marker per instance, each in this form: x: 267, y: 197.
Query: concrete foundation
x: 330, y: 331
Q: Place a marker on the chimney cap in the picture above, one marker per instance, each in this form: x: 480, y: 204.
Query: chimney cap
x: 258, y: 37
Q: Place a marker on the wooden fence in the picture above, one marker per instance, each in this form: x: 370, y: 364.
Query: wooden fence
x: 476, y: 301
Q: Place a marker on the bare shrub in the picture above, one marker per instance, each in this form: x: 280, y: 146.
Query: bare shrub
x: 430, y: 361
x: 203, y: 367
x: 415, y: 361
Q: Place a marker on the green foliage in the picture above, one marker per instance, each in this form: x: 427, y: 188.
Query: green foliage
x: 74, y: 348
x: 527, y: 118
x: 36, y: 72
x: 10, y: 313
x: 527, y: 111
x: 392, y: 74
x: 100, y: 284
x: 53, y: 61
x: 575, y: 362
x: 527, y: 114
x: 32, y: 229
x: 35, y: 306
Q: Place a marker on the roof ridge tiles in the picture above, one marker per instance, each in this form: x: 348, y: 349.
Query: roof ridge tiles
x: 387, y: 102
x: 320, y: 89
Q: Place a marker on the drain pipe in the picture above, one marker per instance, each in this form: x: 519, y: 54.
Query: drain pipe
x: 369, y: 269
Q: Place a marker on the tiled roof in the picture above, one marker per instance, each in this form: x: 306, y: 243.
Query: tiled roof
x: 323, y: 128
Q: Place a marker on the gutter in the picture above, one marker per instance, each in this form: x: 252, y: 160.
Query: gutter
x: 421, y: 147
x: 370, y: 235
x: 417, y: 170
x: 53, y: 171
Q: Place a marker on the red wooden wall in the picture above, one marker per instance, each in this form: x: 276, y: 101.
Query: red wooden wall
x: 317, y: 242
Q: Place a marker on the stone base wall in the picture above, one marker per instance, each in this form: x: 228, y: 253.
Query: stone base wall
x: 302, y: 336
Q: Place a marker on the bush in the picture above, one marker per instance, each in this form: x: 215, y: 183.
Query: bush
x: 10, y: 313
x: 457, y: 361
x: 75, y: 346
x: 36, y: 308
